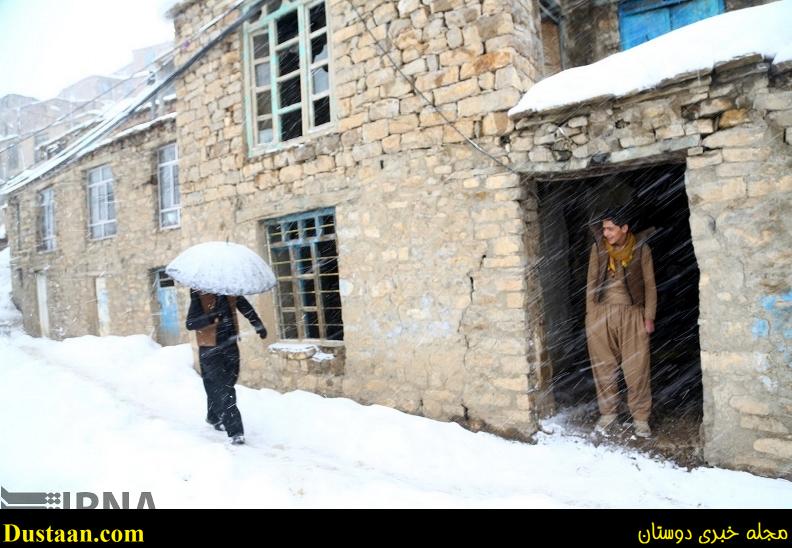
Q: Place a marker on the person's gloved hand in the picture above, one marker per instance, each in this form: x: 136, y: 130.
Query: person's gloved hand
x: 262, y: 331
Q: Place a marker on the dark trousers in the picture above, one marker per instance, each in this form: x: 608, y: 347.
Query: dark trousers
x: 220, y: 371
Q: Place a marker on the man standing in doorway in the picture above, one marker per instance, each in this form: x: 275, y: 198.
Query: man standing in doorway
x: 621, y: 301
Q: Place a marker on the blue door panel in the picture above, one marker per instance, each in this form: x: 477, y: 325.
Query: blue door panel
x: 690, y: 12
x: 641, y: 27
x: 642, y: 20
x: 168, y: 329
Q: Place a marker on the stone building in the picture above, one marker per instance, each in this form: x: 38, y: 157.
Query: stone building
x: 89, y: 239
x: 425, y: 241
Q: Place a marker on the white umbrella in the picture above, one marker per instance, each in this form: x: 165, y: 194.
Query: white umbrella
x: 222, y: 268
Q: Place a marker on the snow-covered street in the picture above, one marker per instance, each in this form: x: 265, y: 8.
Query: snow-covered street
x: 124, y: 414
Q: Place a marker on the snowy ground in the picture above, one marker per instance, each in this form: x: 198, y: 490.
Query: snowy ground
x: 124, y: 414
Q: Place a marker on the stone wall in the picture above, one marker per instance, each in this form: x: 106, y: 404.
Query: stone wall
x: 732, y: 127
x: 434, y: 238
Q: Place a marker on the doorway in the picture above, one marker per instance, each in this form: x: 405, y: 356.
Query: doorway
x: 167, y: 311
x: 657, y: 198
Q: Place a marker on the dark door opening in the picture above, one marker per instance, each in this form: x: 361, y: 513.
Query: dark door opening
x: 658, y: 198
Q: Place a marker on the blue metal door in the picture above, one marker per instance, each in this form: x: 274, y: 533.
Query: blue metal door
x: 690, y: 12
x: 168, y: 325
x: 642, y: 20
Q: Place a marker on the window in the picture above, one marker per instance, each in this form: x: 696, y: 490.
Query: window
x: 40, y: 138
x: 46, y: 220
x: 551, y: 37
x: 288, y: 71
x: 304, y: 259
x: 13, y: 157
x: 101, y: 203
x: 642, y: 20
x: 168, y: 176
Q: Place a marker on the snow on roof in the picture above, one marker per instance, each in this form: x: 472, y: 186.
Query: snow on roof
x: 766, y: 30
x: 127, y: 132
x: 113, y: 116
x: 784, y: 55
x: 68, y: 132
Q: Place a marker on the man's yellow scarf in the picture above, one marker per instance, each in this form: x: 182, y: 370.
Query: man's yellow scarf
x: 623, y: 255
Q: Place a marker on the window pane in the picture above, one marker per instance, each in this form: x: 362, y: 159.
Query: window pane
x: 263, y: 100
x: 310, y: 317
x: 261, y: 46
x: 289, y: 60
x: 320, y: 79
x: 96, y: 231
x: 106, y: 173
x: 102, y: 203
x: 263, y: 74
x: 287, y: 27
x: 290, y: 230
x: 290, y: 332
x: 309, y: 229
x: 291, y: 125
x: 289, y: 318
x: 302, y: 253
x: 332, y: 316
x: 265, y: 132
x: 255, y: 16
x: 279, y: 254
x: 319, y: 48
x: 93, y: 175
x: 176, y: 194
x: 285, y: 287
x: 327, y: 222
x: 165, y: 177
x: 304, y: 267
x: 335, y: 332
x: 94, y: 201
x: 327, y: 249
x: 170, y: 218
x: 290, y: 92
x: 328, y: 265
x: 110, y: 229
x: 167, y: 154
x: 306, y: 286
x: 321, y: 111
x: 331, y: 300
x: 110, y: 202
x: 312, y: 331
x: 282, y: 269
x: 308, y: 299
x: 329, y: 283
x: 272, y: 6
x: 166, y: 197
x: 318, y: 18
x: 287, y: 300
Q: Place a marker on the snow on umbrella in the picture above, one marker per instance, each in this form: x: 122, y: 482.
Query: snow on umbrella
x: 222, y: 268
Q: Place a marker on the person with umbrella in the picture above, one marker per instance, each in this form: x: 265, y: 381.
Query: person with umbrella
x: 219, y: 274
x: 213, y: 318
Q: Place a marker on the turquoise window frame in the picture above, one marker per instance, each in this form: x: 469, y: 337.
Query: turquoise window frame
x: 267, y: 23
x: 276, y: 231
